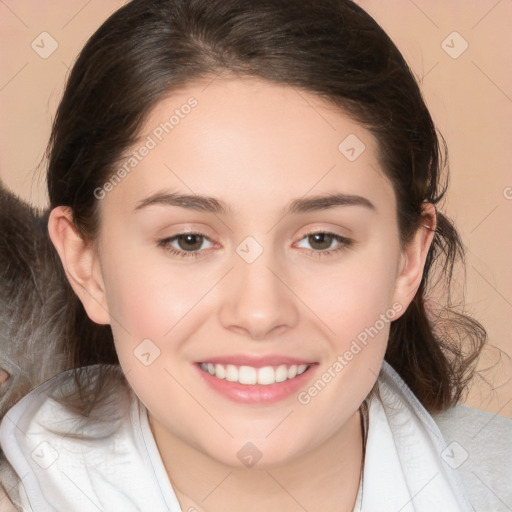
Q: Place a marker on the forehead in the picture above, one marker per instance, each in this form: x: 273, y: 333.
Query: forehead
x: 252, y: 141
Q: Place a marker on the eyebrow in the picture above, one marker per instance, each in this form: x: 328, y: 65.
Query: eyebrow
x: 217, y: 206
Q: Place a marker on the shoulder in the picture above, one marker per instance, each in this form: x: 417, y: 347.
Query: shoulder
x: 474, y: 446
x: 475, y: 425
x: 71, y: 404
x: 100, y: 456
x: 486, y: 437
x: 43, y: 438
x: 479, y: 446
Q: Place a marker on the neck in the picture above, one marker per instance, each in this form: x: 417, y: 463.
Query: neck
x: 326, y: 478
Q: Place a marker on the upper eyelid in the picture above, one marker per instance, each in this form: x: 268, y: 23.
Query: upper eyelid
x: 184, y: 233
x: 323, y: 231
x: 341, y: 239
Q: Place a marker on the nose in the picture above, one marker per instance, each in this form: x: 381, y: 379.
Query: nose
x: 257, y: 301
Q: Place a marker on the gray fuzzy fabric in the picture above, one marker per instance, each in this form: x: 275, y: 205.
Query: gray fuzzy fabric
x: 33, y: 311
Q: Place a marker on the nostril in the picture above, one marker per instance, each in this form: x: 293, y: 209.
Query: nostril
x: 3, y: 376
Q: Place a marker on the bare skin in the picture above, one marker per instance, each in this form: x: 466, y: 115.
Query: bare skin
x: 256, y: 146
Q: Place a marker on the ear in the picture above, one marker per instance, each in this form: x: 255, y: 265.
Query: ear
x: 80, y: 262
x: 413, y: 257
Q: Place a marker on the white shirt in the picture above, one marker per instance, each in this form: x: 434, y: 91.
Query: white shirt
x: 409, y: 466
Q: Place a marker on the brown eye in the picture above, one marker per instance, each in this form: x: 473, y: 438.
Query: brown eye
x: 189, y: 242
x: 321, y: 241
x: 186, y: 244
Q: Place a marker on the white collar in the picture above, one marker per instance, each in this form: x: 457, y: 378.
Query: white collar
x: 404, y: 470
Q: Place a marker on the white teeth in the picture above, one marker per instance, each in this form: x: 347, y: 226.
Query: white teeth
x: 266, y: 375
x: 249, y: 375
x: 231, y: 373
x: 302, y: 368
x: 220, y: 371
x: 281, y: 373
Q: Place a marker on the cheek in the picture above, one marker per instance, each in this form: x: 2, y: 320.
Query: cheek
x: 149, y: 297
x: 353, y: 295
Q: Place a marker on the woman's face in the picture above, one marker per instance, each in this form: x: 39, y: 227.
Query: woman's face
x: 291, y: 266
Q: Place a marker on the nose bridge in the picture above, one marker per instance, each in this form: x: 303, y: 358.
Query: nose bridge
x: 256, y: 298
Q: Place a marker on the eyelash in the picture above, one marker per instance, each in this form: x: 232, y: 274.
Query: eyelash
x: 344, y: 243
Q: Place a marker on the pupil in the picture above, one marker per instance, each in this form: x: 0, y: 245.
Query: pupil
x: 188, y: 239
x: 321, y: 238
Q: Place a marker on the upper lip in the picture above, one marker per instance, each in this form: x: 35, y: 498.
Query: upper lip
x: 256, y: 361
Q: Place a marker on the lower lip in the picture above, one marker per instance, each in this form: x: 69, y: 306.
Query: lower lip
x: 257, y: 393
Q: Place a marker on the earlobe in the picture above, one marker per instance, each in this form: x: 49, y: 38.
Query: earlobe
x: 80, y: 263
x: 413, y: 258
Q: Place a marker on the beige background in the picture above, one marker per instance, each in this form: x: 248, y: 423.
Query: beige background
x: 469, y: 94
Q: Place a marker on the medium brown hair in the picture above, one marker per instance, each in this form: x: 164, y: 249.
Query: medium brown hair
x: 329, y: 48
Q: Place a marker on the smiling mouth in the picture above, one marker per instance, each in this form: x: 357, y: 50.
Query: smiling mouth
x: 249, y: 375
